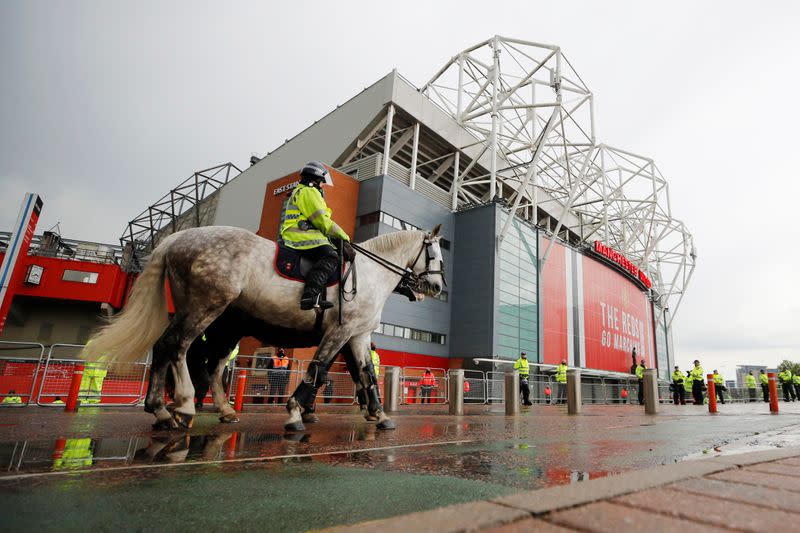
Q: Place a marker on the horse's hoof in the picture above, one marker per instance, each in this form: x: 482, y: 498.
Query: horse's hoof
x: 310, y: 418
x: 387, y: 424
x: 230, y: 418
x: 165, y: 425
x: 294, y: 426
x: 183, y: 419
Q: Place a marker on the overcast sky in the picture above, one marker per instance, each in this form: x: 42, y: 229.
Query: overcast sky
x: 107, y: 105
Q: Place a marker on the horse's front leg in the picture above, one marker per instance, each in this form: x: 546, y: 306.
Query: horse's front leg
x: 367, y: 382
x: 301, y: 404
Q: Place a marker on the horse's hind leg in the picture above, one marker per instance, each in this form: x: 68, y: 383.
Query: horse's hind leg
x: 367, y: 382
x: 163, y: 355
x: 302, y: 400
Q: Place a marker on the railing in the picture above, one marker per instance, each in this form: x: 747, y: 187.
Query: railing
x: 42, y: 378
x: 419, y: 387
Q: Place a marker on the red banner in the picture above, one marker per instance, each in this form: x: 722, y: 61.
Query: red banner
x: 616, y: 319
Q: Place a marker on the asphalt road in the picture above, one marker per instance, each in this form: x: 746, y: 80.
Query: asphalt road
x: 107, y: 469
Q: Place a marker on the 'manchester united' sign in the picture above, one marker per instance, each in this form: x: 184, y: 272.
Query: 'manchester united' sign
x: 622, y: 261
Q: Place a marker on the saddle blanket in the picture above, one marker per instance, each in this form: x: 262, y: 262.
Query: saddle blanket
x: 290, y: 264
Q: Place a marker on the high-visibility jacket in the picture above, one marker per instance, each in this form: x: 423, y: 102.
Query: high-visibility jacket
x: 697, y: 374
x: 718, y: 380
x: 280, y: 362
x: 750, y: 381
x: 376, y: 362
x: 522, y: 365
x: 466, y: 386
x: 785, y: 376
x: 428, y: 380
x: 306, y: 220
x: 57, y: 402
x: 677, y: 377
x: 764, y: 378
x: 94, y: 373
x: 640, y: 372
x: 561, y: 373
x: 796, y: 379
x: 77, y: 453
x: 12, y: 399
x: 233, y: 354
x: 688, y: 383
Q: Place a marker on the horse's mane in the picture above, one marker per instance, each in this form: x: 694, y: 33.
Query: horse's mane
x: 389, y: 242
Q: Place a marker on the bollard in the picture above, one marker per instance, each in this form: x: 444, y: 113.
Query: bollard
x: 74, y: 389
x: 391, y: 393
x: 456, y: 384
x: 712, y: 394
x: 512, y: 393
x: 574, y: 391
x: 772, y: 377
x: 238, y: 400
x: 650, y: 391
x: 230, y: 446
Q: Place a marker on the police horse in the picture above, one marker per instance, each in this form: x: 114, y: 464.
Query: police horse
x: 223, y: 281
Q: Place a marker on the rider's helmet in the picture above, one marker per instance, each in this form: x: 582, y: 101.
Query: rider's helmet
x: 314, y: 171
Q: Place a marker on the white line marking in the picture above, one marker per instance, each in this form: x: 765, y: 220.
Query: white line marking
x: 240, y: 460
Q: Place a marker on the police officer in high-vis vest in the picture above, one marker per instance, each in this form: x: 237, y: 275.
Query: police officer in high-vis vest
x: 306, y: 225
x: 561, y: 383
x: 697, y: 382
x: 764, y: 379
x: 750, y: 383
x: 678, y: 390
x: 521, y: 365
x: 376, y: 359
x: 640, y: 376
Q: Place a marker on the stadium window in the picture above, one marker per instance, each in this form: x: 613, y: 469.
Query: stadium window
x: 369, y: 218
x: 411, y: 334
x: 80, y: 276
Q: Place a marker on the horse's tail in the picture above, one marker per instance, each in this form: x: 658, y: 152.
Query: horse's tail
x: 132, y: 332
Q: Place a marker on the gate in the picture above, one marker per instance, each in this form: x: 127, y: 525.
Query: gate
x: 20, y: 364
x: 416, y: 388
x: 474, y: 386
x: 112, y: 384
x: 263, y: 384
x: 495, y: 387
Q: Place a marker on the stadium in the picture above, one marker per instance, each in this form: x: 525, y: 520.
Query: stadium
x: 556, y: 243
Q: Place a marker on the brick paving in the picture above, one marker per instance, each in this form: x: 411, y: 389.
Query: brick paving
x: 748, y: 492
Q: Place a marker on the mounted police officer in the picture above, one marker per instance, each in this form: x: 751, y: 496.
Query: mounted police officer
x: 306, y: 226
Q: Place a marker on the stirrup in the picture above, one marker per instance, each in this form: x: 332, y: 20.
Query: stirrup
x: 312, y: 302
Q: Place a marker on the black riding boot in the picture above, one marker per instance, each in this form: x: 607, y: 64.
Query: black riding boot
x: 315, y: 283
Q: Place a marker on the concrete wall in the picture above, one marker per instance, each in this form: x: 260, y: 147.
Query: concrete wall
x: 241, y: 199
x: 390, y: 196
x: 473, y: 302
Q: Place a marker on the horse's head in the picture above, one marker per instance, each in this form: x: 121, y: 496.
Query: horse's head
x: 429, y: 267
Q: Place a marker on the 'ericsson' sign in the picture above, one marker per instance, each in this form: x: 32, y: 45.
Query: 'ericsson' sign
x: 616, y: 257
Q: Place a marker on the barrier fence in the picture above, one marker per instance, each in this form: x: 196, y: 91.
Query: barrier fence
x: 33, y: 375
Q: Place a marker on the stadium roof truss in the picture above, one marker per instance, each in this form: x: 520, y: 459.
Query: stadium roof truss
x: 504, y: 120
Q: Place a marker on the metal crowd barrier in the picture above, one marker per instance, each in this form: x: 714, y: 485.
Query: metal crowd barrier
x: 413, y: 391
x: 474, y: 386
x: 262, y: 384
x: 20, y: 364
x: 122, y: 384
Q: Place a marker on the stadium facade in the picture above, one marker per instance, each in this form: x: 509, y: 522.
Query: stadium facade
x: 555, y: 244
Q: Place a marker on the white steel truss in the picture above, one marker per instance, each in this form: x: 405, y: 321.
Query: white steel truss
x: 532, y: 118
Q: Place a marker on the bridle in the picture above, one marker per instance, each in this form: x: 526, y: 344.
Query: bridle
x: 408, y: 278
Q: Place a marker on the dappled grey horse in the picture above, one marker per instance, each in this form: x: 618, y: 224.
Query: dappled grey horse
x: 225, y: 275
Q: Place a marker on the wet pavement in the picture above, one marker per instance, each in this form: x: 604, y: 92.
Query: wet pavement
x: 101, y: 467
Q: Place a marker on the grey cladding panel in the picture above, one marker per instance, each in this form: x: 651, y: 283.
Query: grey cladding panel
x: 473, y: 304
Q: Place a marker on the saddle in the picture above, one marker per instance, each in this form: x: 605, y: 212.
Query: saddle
x: 290, y: 264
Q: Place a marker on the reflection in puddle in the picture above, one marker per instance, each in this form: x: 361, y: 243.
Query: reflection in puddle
x: 513, y: 464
